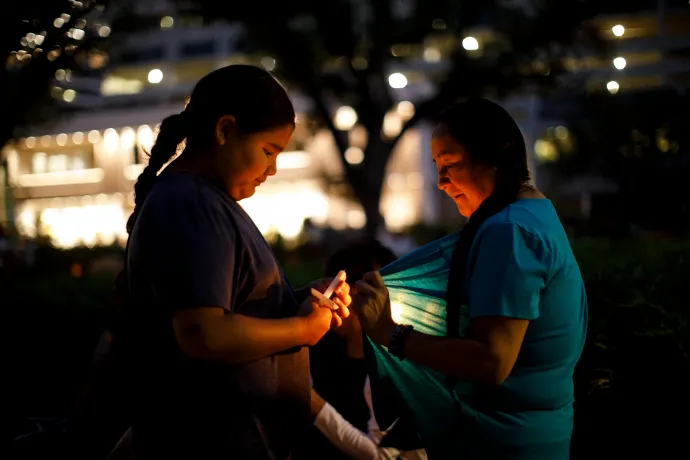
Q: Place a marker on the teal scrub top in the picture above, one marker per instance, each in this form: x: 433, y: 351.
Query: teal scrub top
x: 521, y: 265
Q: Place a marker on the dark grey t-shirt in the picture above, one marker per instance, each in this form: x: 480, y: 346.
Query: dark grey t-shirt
x: 194, y: 246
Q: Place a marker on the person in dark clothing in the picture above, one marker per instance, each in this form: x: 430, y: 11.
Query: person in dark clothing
x: 215, y: 335
x: 337, y: 361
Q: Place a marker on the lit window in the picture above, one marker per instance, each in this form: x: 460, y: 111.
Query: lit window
x: 39, y: 163
x: 57, y: 163
x: 115, y: 86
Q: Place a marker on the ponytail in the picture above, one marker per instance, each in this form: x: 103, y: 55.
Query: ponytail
x: 172, y: 133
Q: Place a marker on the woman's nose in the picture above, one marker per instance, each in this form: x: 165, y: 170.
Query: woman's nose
x: 272, y: 169
x: 443, y: 182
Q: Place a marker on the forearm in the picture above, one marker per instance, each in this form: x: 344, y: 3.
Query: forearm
x: 463, y: 359
x: 238, y: 339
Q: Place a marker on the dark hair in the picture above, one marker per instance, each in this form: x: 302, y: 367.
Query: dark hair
x: 492, y: 138
x: 252, y: 95
x: 358, y: 259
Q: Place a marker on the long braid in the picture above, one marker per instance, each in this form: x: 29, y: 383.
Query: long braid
x: 172, y: 133
x: 499, y: 200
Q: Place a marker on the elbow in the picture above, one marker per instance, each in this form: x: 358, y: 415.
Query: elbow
x: 205, y: 346
x: 494, y: 371
x: 195, y: 344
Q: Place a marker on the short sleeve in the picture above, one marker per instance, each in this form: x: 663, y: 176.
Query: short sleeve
x: 194, y: 256
x: 510, y: 269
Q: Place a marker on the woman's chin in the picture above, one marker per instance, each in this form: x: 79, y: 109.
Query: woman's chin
x: 463, y: 209
x: 242, y: 193
x: 464, y: 212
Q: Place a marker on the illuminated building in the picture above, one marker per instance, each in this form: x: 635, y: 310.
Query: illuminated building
x: 76, y: 185
x: 73, y: 180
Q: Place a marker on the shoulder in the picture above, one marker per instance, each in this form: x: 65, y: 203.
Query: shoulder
x: 533, y: 217
x: 181, y: 201
x: 517, y: 230
x: 506, y: 230
x: 179, y: 190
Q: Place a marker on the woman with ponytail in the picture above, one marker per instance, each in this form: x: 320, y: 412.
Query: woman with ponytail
x: 214, y: 334
x: 516, y: 308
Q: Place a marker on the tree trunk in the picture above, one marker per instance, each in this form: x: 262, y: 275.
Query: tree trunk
x: 367, y: 183
x: 370, y: 204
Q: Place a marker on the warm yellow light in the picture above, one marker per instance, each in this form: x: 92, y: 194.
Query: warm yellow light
x: 620, y: 63
x: 345, y: 118
x: 392, y: 124
x: 111, y: 140
x: 82, y: 176
x: 470, y: 44
x: 406, y: 109
x: 283, y: 209
x: 132, y: 172
x: 613, y: 87
x: 354, y: 155
x: 396, y: 311
x: 293, y: 160
x: 155, y: 76
x: 167, y: 22
x: 397, y: 80
x: 127, y: 138
x: 145, y: 137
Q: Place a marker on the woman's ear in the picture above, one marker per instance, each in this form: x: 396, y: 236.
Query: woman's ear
x: 225, y: 128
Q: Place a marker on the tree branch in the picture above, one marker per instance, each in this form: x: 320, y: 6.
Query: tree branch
x: 34, y: 77
x: 422, y: 111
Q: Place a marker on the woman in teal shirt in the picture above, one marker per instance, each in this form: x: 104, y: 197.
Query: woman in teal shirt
x: 516, y: 304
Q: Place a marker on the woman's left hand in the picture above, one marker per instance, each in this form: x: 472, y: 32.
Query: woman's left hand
x: 372, y: 305
x: 341, y: 297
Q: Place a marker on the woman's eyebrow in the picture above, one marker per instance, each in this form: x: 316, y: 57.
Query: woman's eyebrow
x: 442, y: 153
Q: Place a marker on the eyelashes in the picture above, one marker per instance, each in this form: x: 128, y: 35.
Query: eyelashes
x: 444, y: 169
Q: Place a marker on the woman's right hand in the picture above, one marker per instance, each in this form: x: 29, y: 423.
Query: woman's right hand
x: 372, y: 304
x: 316, y: 320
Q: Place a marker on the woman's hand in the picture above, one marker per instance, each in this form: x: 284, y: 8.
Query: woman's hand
x: 316, y: 320
x: 372, y: 305
x: 341, y: 297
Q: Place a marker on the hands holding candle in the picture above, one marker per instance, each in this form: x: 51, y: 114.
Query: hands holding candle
x: 331, y: 295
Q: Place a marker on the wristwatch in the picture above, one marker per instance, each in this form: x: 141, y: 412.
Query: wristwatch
x: 398, y: 341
